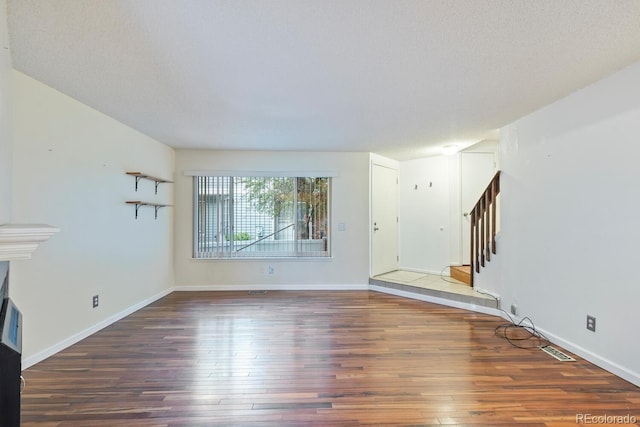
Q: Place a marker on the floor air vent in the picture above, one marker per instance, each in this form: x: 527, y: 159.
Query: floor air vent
x: 257, y: 292
x: 557, y: 354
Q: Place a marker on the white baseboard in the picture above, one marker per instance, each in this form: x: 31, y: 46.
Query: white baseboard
x: 48, y: 352
x: 614, y: 368
x: 274, y: 287
x: 607, y: 365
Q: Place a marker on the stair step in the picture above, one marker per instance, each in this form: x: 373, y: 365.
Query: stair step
x: 461, y: 273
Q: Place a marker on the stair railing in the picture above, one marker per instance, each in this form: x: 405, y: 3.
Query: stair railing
x: 483, y: 226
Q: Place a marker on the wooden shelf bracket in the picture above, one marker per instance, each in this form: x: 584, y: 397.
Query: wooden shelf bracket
x: 139, y: 175
x: 138, y: 204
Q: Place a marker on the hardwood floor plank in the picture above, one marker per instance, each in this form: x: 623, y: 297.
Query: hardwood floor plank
x: 311, y: 359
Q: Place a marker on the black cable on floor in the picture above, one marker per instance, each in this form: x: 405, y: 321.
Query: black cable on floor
x: 512, y: 332
x: 530, y: 335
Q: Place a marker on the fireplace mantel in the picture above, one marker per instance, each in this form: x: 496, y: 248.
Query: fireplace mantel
x: 19, y: 241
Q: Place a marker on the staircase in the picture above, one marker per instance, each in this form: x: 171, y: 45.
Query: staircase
x: 483, y: 227
x: 461, y: 273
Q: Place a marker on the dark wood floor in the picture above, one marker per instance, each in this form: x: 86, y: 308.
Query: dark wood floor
x: 312, y: 359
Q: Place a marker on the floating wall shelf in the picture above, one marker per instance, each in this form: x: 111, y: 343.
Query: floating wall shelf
x: 139, y: 175
x: 138, y: 203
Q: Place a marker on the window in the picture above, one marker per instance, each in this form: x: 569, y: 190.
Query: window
x: 257, y: 217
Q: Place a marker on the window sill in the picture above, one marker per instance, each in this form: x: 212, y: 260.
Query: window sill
x: 261, y: 259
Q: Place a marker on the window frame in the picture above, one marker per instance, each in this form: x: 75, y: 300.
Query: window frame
x: 297, y: 253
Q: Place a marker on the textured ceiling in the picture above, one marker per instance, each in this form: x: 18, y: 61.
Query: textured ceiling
x: 395, y: 77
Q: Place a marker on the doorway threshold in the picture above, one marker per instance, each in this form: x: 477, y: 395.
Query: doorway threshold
x: 433, y: 285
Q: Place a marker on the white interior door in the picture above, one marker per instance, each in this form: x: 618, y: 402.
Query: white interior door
x: 384, y: 219
x: 476, y: 171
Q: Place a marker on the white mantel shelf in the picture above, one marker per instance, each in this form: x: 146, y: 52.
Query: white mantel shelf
x: 19, y: 241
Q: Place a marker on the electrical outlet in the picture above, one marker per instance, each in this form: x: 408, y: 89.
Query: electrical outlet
x: 514, y: 309
x: 96, y: 301
x: 271, y: 269
x: 591, y: 323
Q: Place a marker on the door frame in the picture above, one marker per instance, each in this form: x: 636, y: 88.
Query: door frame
x: 379, y: 161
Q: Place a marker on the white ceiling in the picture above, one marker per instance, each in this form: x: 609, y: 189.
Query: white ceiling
x: 395, y: 77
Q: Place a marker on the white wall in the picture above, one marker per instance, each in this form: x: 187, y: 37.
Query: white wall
x: 570, y: 209
x: 69, y: 164
x: 349, y: 264
x: 430, y: 211
x: 424, y: 211
x: 5, y: 124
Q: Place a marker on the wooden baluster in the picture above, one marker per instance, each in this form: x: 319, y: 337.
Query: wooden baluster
x: 472, y: 241
x: 483, y: 226
x: 495, y: 189
x: 483, y: 221
x: 477, y: 234
x: 487, y: 228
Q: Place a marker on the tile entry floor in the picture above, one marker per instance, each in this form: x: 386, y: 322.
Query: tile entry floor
x: 433, y: 284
